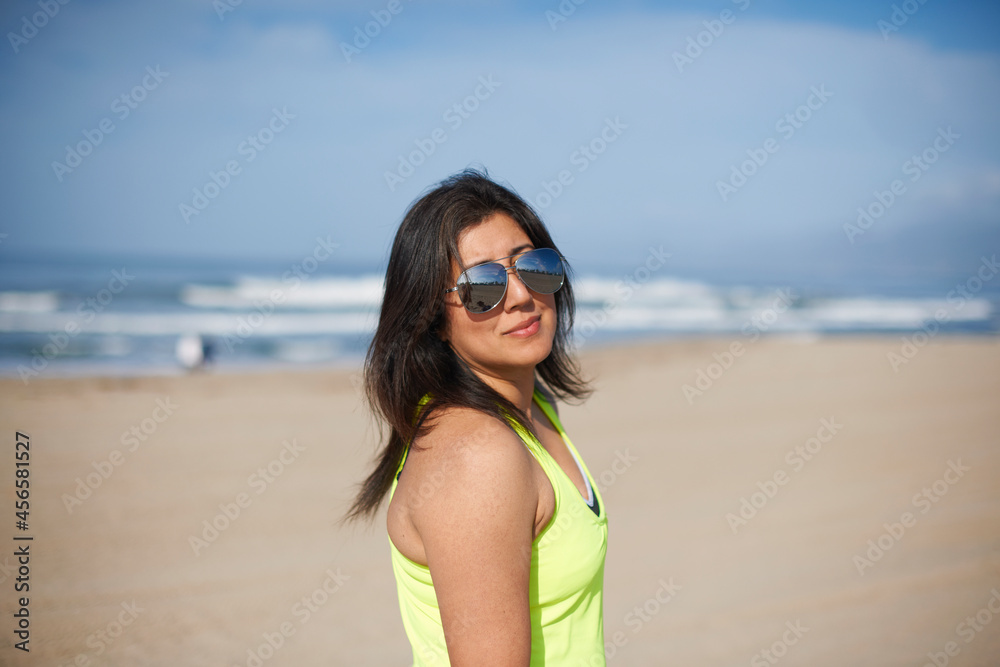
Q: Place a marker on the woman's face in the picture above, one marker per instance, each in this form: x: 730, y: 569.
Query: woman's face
x: 489, y: 342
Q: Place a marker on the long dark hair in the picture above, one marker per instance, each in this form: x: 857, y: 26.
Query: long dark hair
x: 407, y: 358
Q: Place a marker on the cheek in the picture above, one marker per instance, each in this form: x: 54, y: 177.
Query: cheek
x: 463, y: 330
x: 550, y: 304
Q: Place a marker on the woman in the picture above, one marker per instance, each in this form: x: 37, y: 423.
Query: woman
x: 497, y: 531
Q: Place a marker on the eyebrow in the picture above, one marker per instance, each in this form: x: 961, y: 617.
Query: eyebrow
x: 514, y: 251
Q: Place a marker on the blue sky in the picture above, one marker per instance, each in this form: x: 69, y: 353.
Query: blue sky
x: 619, y: 100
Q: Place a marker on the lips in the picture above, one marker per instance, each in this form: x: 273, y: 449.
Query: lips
x: 525, y: 324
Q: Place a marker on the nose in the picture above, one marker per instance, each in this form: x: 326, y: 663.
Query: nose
x: 517, y: 292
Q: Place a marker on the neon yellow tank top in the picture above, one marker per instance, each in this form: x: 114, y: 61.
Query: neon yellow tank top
x: 566, y: 588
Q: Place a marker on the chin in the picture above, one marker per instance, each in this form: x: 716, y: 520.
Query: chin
x: 536, y: 349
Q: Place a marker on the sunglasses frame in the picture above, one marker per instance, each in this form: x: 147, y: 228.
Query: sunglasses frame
x: 506, y: 270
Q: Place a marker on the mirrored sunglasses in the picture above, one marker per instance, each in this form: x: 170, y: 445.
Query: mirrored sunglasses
x: 482, y: 287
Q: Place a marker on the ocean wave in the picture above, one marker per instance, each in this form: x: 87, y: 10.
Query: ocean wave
x: 169, y: 324
x: 776, y: 315
x: 29, y: 302
x: 312, y: 293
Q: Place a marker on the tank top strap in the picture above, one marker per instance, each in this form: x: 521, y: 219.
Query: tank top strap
x: 549, y: 465
x: 553, y: 416
x: 526, y: 436
x: 547, y: 408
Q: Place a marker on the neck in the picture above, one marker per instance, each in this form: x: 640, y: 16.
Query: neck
x: 517, y: 385
x: 516, y: 389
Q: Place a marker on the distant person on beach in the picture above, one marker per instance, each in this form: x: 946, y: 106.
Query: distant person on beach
x: 194, y: 352
x: 497, y: 531
x: 207, y: 351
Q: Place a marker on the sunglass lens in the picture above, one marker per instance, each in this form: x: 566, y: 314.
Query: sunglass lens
x: 541, y: 270
x: 482, y: 287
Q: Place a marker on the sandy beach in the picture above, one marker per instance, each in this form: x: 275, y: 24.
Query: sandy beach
x: 807, y: 502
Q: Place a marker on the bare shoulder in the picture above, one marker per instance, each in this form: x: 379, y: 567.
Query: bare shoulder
x: 470, y: 459
x: 469, y: 476
x: 468, y: 442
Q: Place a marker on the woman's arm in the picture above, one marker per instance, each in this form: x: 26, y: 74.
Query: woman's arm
x: 477, y: 528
